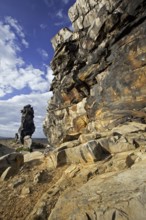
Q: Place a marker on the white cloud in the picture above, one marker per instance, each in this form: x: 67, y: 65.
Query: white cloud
x: 60, y: 13
x: 11, y: 117
x: 49, y: 75
x: 13, y: 23
x: 15, y: 74
x: 59, y: 23
x: 43, y: 53
x: 65, y: 1
x: 43, y: 26
x: 25, y: 43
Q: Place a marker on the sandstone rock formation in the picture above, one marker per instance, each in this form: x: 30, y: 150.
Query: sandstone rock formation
x: 99, y: 70
x: 94, y: 167
x: 96, y: 118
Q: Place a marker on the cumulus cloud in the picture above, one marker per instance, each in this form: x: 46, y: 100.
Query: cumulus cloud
x: 16, y: 75
x: 11, y: 117
x: 13, y: 23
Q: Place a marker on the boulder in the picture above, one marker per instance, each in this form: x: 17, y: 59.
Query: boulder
x: 11, y: 161
x: 84, y: 153
x: 87, y: 137
x: 62, y: 36
x: 5, y: 150
x: 107, y: 196
x: 9, y: 172
x: 33, y: 157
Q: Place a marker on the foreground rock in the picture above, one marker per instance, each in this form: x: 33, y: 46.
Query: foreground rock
x: 10, y: 164
x: 105, y: 197
x: 110, y: 189
x: 123, y: 138
x: 5, y: 150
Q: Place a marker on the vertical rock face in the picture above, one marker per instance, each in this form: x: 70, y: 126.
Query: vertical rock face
x: 99, y: 69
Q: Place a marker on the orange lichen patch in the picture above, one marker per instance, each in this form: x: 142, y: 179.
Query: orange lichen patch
x: 100, y: 125
x: 80, y: 122
x: 65, y: 97
x: 131, y: 38
x: 71, y: 95
x: 113, y: 94
x: 84, y: 74
x: 74, y: 94
x: 98, y: 113
x: 126, y: 91
x: 139, y: 114
x: 73, y: 108
x: 140, y: 81
x: 133, y: 57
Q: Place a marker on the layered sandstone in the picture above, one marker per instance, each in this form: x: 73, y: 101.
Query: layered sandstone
x: 99, y: 70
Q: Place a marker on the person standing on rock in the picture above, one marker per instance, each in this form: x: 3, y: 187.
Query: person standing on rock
x: 27, y: 126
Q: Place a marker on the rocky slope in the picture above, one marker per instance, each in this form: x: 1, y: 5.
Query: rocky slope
x: 113, y: 188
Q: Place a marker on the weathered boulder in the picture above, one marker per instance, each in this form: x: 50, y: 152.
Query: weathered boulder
x: 110, y: 189
x: 33, y: 157
x: 5, y: 150
x: 9, y: 172
x: 64, y: 35
x: 114, y: 196
x: 84, y: 153
x: 12, y: 162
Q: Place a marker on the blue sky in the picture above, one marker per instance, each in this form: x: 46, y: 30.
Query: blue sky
x: 26, y: 30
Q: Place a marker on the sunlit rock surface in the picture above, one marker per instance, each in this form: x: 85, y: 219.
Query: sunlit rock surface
x: 99, y: 70
x: 96, y: 119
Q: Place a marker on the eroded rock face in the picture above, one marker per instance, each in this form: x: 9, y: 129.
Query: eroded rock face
x: 99, y: 70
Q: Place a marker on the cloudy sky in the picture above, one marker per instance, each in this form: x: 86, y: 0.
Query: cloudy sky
x: 26, y: 28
